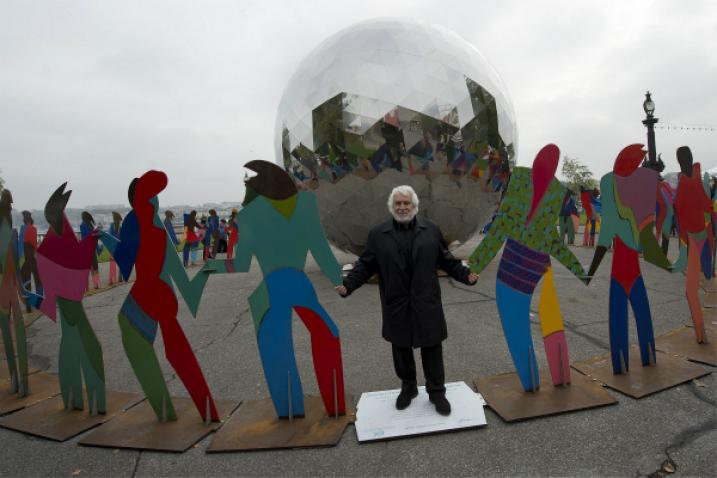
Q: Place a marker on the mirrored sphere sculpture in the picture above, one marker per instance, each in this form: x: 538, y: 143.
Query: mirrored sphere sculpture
x: 391, y: 102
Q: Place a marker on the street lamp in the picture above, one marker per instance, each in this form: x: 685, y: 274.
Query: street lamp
x: 649, y: 106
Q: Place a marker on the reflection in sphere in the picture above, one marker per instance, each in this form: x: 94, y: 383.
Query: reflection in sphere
x: 389, y: 102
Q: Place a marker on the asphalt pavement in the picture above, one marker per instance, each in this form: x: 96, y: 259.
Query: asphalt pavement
x: 673, y: 429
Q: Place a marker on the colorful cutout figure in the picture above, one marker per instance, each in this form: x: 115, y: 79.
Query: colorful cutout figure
x: 64, y: 264
x: 526, y: 223
x: 28, y: 264
x: 665, y: 213
x: 697, y: 241
x: 233, y: 231
x: 10, y: 309
x: 169, y: 226
x: 152, y: 302
x: 279, y: 225
x: 191, y: 239
x: 86, y: 229
x: 628, y: 208
x: 114, y: 232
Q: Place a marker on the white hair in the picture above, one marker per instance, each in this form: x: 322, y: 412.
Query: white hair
x: 403, y: 190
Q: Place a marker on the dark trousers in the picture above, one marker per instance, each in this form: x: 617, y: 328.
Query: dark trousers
x: 432, y: 360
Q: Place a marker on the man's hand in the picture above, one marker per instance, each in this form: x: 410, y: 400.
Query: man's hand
x: 341, y: 289
x: 473, y: 278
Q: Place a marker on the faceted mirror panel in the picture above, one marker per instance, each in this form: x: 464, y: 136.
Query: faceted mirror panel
x: 389, y: 102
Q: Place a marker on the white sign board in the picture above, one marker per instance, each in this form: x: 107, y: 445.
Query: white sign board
x: 378, y: 419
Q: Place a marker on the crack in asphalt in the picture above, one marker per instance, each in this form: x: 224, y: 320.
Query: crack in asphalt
x: 136, y: 463
x: 679, y: 440
x: 233, y: 329
x: 700, y: 395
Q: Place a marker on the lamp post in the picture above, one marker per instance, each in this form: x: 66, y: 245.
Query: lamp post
x: 649, y: 106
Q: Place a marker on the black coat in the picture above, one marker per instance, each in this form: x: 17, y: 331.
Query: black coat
x: 411, y: 304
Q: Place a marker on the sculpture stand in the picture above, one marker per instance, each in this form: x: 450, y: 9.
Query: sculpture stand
x: 255, y: 426
x: 681, y: 342
x: 139, y: 429
x: 641, y: 381
x: 50, y: 419
x: 42, y: 386
x: 505, y: 395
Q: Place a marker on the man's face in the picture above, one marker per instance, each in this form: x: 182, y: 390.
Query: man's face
x: 403, y: 208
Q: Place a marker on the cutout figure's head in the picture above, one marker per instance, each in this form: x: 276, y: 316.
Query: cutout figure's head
x: 403, y: 204
x: 169, y: 214
x: 87, y: 219
x: 130, y: 191
x: 684, y: 157
x: 6, y: 205
x: 629, y: 159
x: 27, y: 218
x: 544, y: 166
x: 116, y: 219
x: 55, y: 208
x: 271, y: 181
x: 148, y: 188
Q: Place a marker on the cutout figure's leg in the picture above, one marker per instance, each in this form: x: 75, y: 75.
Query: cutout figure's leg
x: 180, y: 355
x: 551, y: 324
x: 276, y: 348
x: 619, y: 351
x: 21, y: 342
x: 706, y: 259
x: 641, y: 309
x: 586, y: 232
x: 326, y: 351
x: 69, y: 362
x: 112, y: 278
x: 143, y: 360
x: 185, y: 253
x: 9, y: 349
x: 89, y: 356
x: 692, y: 289
x: 514, y: 312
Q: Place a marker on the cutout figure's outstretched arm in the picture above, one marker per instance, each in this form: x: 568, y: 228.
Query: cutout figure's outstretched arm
x: 190, y: 289
x: 652, y: 251
x: 319, y: 246
x: 489, y: 246
x: 566, y: 257
x: 110, y: 242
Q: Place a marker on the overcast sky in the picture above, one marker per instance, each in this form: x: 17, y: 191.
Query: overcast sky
x: 97, y: 92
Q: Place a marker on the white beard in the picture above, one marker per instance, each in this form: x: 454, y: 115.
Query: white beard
x: 404, y: 219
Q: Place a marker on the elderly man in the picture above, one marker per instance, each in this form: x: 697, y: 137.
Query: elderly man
x: 406, y: 252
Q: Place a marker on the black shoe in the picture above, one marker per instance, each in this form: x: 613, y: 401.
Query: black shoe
x: 405, y: 397
x: 443, y: 406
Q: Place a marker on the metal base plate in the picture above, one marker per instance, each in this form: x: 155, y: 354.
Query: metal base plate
x: 255, y: 426
x: 505, y: 396
x: 139, y: 429
x: 49, y: 419
x: 641, y: 381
